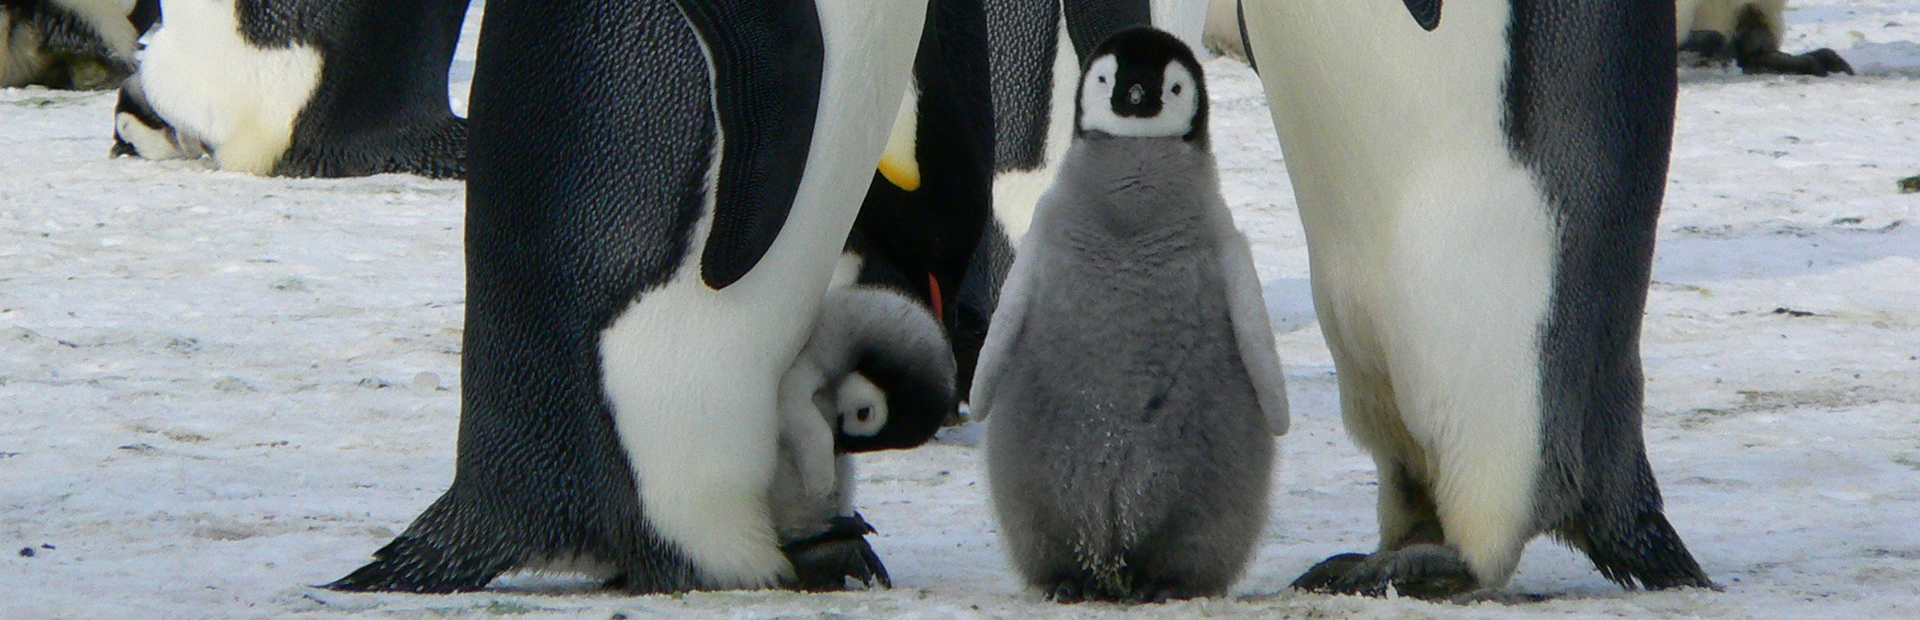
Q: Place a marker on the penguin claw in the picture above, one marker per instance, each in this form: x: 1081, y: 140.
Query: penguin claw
x: 824, y: 562
x: 1418, y: 571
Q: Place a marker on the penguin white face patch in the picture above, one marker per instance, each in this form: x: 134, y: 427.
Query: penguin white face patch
x: 1179, y: 100
x: 862, y: 407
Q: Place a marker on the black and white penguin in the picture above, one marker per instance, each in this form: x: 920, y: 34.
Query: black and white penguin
x: 1479, y: 188
x: 659, y: 191
x: 1747, y: 33
x: 75, y: 44
x: 876, y: 374
x: 307, y: 88
x: 929, y: 200
x: 1129, y: 381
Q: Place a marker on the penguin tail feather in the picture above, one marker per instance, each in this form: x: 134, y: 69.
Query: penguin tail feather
x: 414, y: 564
x: 1646, y: 551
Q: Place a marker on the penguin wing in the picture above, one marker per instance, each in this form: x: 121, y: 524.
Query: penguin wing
x: 767, y: 62
x: 1248, y: 309
x: 1004, y: 328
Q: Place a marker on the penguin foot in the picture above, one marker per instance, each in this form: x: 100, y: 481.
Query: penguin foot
x: 824, y: 562
x: 1067, y: 593
x: 1820, y: 63
x: 1705, y: 48
x: 1419, y: 571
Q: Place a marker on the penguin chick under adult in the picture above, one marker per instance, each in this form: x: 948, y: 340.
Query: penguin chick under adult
x: 1129, y: 379
x: 876, y: 374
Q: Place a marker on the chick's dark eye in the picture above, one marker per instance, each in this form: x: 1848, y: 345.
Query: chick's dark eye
x: 1176, y: 89
x: 863, y: 414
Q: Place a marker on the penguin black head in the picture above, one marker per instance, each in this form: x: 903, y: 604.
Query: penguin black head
x: 1143, y: 83
x: 883, y: 405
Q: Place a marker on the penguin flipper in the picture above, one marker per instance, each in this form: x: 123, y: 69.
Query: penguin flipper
x: 767, y: 59
x: 1005, y: 326
x: 1425, y: 12
x: 1247, y: 307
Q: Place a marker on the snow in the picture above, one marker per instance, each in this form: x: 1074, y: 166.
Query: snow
x: 217, y: 389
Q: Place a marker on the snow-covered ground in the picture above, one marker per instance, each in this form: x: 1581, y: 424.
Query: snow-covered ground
x: 218, y: 389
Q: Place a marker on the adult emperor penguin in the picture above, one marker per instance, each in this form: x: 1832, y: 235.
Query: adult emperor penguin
x: 305, y: 88
x: 658, y: 193
x: 77, y: 44
x: 876, y: 374
x: 1479, y: 188
x: 929, y: 201
x: 1747, y: 32
x: 1129, y: 379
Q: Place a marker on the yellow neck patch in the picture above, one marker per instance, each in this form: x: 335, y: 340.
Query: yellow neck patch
x: 898, y: 163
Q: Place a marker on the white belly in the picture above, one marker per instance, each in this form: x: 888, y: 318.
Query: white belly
x: 692, y: 372
x: 203, y: 78
x: 1431, y: 249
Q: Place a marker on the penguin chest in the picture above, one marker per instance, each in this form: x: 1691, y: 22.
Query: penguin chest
x: 1431, y: 246
x: 1138, y: 342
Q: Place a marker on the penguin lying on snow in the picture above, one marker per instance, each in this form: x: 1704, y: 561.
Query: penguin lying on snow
x: 1479, y: 189
x: 659, y: 191
x: 1748, y: 33
x: 77, y: 44
x: 1129, y: 380
x: 876, y: 374
x: 309, y: 88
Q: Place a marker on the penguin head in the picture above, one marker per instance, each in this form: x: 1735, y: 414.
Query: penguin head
x: 1142, y: 83
x: 884, y: 405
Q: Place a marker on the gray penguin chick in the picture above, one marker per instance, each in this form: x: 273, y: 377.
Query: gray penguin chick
x: 876, y: 374
x: 1129, y: 377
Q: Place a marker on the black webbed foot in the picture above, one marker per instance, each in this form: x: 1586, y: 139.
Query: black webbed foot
x: 1418, y: 571
x: 824, y: 562
x: 1703, y: 48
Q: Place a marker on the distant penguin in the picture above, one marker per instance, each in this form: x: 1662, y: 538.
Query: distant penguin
x: 929, y: 201
x: 301, y: 88
x: 1748, y: 33
x: 71, y: 44
x: 876, y: 374
x: 1479, y: 189
x: 1130, y: 383
x: 658, y: 193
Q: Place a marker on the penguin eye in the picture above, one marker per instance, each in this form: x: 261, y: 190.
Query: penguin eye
x: 864, y: 414
x: 1103, y: 79
x: 1176, y: 89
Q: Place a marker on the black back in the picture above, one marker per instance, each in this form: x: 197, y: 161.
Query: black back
x: 381, y: 105
x: 906, y: 236
x: 593, y: 127
x: 1590, y: 99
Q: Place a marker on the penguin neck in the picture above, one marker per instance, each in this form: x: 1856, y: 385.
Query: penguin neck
x: 1139, y: 188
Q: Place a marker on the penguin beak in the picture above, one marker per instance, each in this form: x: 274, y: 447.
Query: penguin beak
x: 1135, y: 102
x: 934, y: 295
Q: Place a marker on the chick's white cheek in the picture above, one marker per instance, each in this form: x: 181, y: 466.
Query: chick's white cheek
x: 862, y: 407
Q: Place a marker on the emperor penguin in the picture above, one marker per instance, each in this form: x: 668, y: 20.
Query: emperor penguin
x: 1479, y: 189
x: 304, y: 88
x: 1748, y: 33
x: 1034, y: 83
x: 71, y: 44
x: 659, y: 191
x: 876, y: 374
x: 1129, y: 381
x: 930, y: 198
